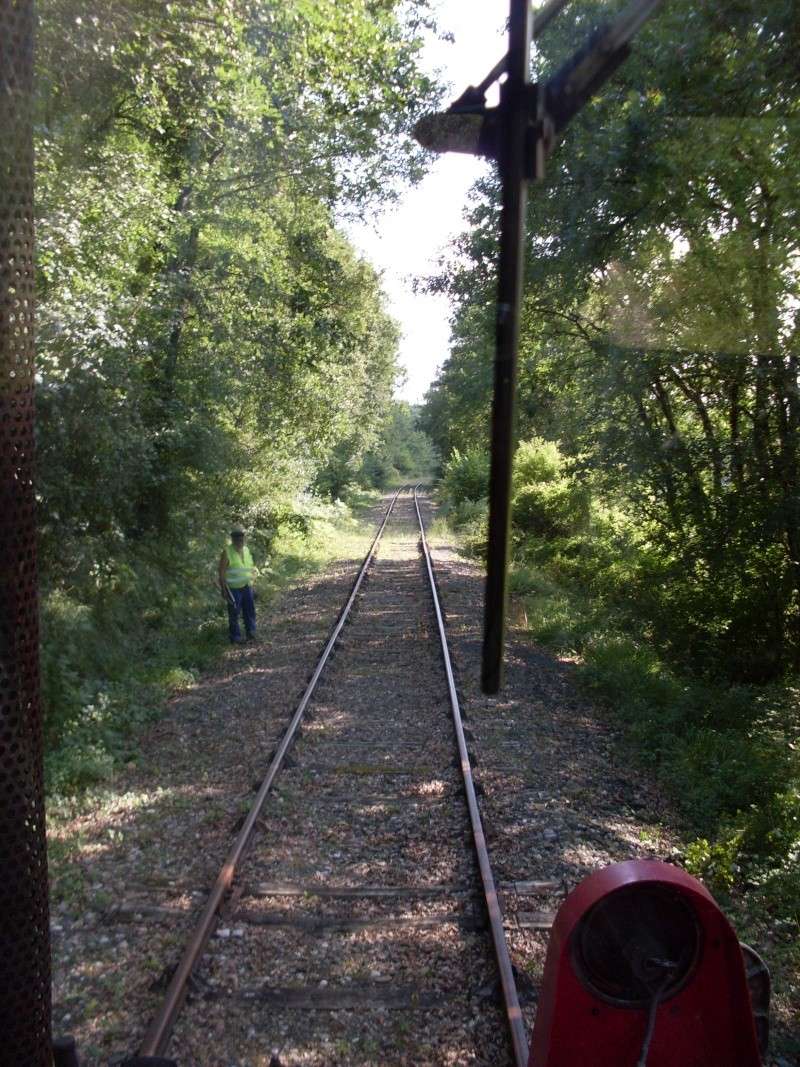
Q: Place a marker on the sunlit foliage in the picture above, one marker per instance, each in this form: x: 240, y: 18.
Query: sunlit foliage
x: 207, y: 338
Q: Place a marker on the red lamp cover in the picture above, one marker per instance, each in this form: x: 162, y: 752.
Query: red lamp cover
x: 586, y: 1018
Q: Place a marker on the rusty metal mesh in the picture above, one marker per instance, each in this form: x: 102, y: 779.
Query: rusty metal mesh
x: 24, y: 920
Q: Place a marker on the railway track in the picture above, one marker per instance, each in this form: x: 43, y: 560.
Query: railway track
x: 356, y: 917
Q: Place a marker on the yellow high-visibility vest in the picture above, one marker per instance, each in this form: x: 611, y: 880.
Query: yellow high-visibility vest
x: 240, y: 567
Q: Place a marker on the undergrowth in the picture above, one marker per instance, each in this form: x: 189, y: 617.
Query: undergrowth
x: 111, y: 656
x: 726, y: 752
x: 726, y: 756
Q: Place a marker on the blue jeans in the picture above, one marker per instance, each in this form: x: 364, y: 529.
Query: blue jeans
x: 244, y: 604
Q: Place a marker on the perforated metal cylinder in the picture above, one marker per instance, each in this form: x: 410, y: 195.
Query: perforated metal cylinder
x: 24, y: 918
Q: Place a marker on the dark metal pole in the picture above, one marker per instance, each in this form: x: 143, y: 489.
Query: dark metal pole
x: 520, y: 133
x: 514, y: 164
x: 24, y: 916
x: 542, y: 18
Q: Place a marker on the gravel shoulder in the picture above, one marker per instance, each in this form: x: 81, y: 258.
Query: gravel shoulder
x: 558, y: 801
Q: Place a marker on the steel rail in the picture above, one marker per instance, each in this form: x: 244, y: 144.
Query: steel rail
x: 158, y: 1034
x: 519, y: 1039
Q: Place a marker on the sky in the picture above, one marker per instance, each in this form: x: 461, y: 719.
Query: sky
x: 407, y: 240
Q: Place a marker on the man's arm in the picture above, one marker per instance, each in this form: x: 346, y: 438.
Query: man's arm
x: 223, y: 566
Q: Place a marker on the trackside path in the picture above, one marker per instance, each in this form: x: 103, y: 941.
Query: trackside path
x: 355, y: 932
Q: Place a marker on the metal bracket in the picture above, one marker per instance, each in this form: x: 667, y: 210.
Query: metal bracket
x: 551, y: 104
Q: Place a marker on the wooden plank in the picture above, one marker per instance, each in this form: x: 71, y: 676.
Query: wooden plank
x: 279, y: 889
x: 139, y: 911
x: 349, y: 799
x: 391, y: 998
x: 534, y: 920
x: 289, y: 889
x: 135, y: 911
x: 367, y: 770
x: 377, y: 742
x: 319, y: 924
x: 531, y: 888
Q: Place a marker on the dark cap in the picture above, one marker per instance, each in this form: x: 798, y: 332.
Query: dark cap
x: 237, y: 531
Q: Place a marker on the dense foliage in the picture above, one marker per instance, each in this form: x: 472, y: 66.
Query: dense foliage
x: 399, y: 453
x: 208, y: 340
x: 659, y: 338
x: 658, y: 532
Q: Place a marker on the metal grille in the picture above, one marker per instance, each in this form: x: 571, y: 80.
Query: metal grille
x: 24, y: 920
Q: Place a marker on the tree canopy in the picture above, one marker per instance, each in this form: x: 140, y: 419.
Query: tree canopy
x: 660, y: 333
x: 201, y: 316
x: 209, y: 342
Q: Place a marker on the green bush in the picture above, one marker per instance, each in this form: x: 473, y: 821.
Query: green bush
x: 726, y: 753
x: 470, y: 519
x: 476, y: 538
x: 466, y: 476
x: 650, y: 627
x: 758, y: 848
x: 469, y: 513
x: 550, y: 509
x: 138, y: 631
x: 537, y: 461
x: 377, y: 472
x: 773, y: 828
x: 547, y: 503
x: 718, y: 863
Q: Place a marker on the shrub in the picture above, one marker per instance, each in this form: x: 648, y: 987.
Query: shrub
x: 550, y: 509
x: 547, y: 503
x: 537, y: 461
x: 468, y: 513
x: 476, y: 537
x: 760, y: 846
x: 716, y: 863
x: 466, y: 476
x: 470, y: 518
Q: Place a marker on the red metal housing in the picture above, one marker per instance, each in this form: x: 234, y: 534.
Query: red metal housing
x: 602, y: 930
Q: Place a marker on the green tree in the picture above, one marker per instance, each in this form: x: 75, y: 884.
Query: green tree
x: 208, y: 339
x: 659, y: 335
x: 195, y: 295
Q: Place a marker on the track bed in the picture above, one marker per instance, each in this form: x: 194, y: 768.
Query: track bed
x: 356, y: 928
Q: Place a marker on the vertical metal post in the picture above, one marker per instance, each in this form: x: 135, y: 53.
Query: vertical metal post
x: 513, y: 148
x: 24, y: 918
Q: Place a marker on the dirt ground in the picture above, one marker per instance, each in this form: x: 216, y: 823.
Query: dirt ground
x: 305, y: 967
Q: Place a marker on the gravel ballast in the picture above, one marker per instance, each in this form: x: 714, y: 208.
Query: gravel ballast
x: 355, y: 933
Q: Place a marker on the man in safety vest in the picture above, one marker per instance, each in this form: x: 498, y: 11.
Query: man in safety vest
x: 236, y: 573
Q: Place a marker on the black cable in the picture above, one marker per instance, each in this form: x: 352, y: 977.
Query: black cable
x: 651, y: 1018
